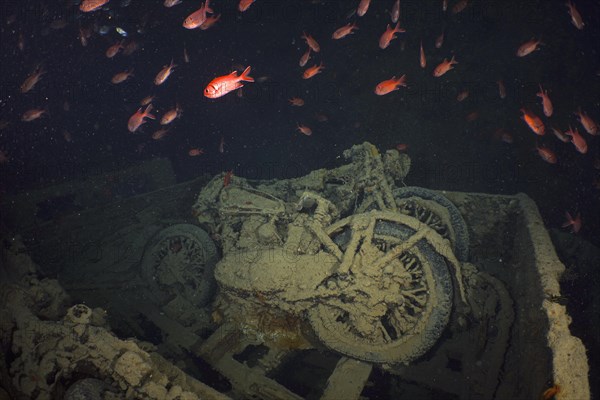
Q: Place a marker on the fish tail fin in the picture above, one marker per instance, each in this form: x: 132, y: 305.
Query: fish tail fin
x: 569, y: 220
x: 245, y: 76
x: 398, y: 29
x: 147, y: 112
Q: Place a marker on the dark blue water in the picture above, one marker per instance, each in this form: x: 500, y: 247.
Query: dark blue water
x: 448, y: 152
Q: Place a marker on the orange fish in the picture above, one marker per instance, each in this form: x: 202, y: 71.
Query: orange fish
x: 588, y: 124
x: 3, y: 157
x: 84, y: 35
x: 210, y: 21
x: 577, y: 140
x: 33, y: 114
x: 227, y: 178
x: 501, y: 89
x: 296, y: 101
x: 195, y: 152
x: 197, y: 18
x: 311, y: 42
x: 67, y: 136
x: 147, y: 100
x: 503, y: 135
x: 304, y: 129
x: 363, y: 7
x: 92, y: 5
x: 390, y: 85
x: 546, y: 103
x: 439, y: 41
x: 444, y: 67
x: 458, y: 7
x: 472, y: 116
x: 305, y: 57
x: 164, y: 73
x: 422, y: 59
x: 575, y: 16
x: 533, y: 122
x: 171, y: 115
x: 574, y: 223
x: 222, y: 85
x: 114, y: 49
x: 21, y: 42
x: 321, y: 117
x: 462, y: 95
x: 121, y: 77
x: 312, y: 71
x: 171, y: 3
x: 159, y: 134
x: 186, y: 56
x: 528, y: 47
x: 395, y: 13
x: 244, y: 5
x: 389, y: 35
x: 401, y: 147
x: 344, y: 31
x: 32, y: 80
x: 560, y: 136
x: 131, y: 47
x: 546, y: 154
x: 137, y: 119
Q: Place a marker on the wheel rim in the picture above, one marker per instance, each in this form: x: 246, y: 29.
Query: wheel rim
x: 391, y: 300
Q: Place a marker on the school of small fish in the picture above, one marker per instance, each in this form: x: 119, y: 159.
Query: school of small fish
x: 203, y: 15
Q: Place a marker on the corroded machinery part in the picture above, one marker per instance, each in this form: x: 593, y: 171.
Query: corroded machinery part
x: 179, y: 261
x: 47, y: 349
x: 392, y: 295
x: 89, y: 389
x: 438, y: 212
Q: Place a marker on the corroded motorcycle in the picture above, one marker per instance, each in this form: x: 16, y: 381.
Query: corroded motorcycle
x: 343, y: 257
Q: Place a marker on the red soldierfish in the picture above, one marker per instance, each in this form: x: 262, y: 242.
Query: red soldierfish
x: 528, y: 47
x: 560, y: 136
x: 32, y: 80
x: 546, y: 154
x: 546, y: 103
x: 588, y: 124
x: 222, y: 85
x: 395, y: 13
x: 305, y: 57
x: 171, y: 3
x: 198, y: 17
x: 363, y: 7
x: 92, y: 5
x: 578, y: 141
x: 244, y: 5
x: 575, y: 224
x: 533, y: 122
x: 137, y: 119
x: 311, y: 42
x: 33, y: 114
x: 575, y: 16
x: 305, y: 130
x: 422, y: 59
x: 501, y: 89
